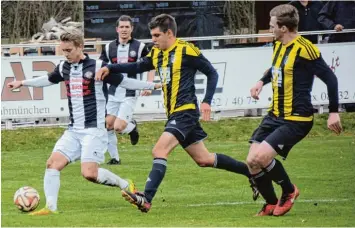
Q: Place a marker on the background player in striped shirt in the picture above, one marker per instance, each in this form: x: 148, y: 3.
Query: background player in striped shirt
x: 295, y: 62
x: 86, y: 137
x: 121, y: 102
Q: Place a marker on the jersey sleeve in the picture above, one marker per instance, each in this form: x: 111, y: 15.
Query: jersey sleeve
x: 55, y: 76
x: 103, y: 55
x: 309, y: 51
x: 145, y: 51
x: 320, y: 68
x: 192, y: 50
x: 200, y: 63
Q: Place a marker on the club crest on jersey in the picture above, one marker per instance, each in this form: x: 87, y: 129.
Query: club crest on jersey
x: 132, y: 54
x: 88, y: 75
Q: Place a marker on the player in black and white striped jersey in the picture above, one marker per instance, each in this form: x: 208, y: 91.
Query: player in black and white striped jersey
x: 86, y: 137
x: 121, y: 101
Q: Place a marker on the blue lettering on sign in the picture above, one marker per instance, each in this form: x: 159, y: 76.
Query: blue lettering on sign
x: 162, y: 4
x: 126, y: 6
x: 93, y: 7
x: 97, y: 21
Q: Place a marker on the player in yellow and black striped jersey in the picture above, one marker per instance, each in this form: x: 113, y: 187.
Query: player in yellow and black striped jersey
x: 177, y: 67
x: 291, y: 74
x: 295, y: 62
x: 177, y: 62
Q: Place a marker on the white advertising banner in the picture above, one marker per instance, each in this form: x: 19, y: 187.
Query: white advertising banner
x: 238, y: 69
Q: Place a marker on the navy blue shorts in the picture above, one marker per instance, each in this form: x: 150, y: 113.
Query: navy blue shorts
x: 185, y: 126
x: 281, y: 134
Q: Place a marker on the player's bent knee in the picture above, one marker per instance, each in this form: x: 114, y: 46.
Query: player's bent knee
x: 89, y: 172
x: 252, y: 162
x: 56, y: 161
x: 89, y: 175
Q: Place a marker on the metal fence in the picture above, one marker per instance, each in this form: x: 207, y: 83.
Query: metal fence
x: 212, y: 39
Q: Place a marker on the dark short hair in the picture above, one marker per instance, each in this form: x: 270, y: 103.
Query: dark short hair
x: 286, y: 15
x: 164, y: 22
x: 124, y: 18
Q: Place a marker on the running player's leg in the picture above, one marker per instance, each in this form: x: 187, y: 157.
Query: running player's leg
x: 195, y: 147
x: 67, y: 149
x: 94, y: 144
x: 193, y: 144
x: 278, y: 142
x: 124, y: 122
x: 281, y: 142
x: 112, y: 146
x: 166, y: 143
x: 259, y: 177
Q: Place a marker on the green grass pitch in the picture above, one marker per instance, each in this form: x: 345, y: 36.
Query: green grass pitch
x: 322, y: 166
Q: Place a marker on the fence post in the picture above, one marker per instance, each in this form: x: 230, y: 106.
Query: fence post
x: 320, y: 109
x: 8, y: 125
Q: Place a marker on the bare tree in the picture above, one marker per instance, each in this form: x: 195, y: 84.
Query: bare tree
x: 22, y: 19
x: 240, y: 17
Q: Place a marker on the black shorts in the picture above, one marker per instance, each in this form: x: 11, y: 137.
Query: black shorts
x: 281, y: 134
x: 185, y: 126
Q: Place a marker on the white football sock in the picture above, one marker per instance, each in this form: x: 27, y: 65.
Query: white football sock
x: 51, y: 188
x: 129, y: 128
x: 106, y: 177
x: 112, y: 145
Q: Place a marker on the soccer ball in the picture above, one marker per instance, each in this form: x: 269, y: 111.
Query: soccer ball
x: 26, y: 199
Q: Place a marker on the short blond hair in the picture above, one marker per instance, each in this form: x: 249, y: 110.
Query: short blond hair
x: 74, y: 35
x: 286, y: 15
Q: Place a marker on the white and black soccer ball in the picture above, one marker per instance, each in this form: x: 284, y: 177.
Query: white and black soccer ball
x: 26, y: 199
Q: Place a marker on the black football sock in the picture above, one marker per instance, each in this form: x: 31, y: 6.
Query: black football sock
x: 277, y: 173
x: 230, y: 164
x: 156, y: 176
x: 265, y: 187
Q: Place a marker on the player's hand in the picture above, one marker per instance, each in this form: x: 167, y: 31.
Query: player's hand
x: 334, y: 123
x: 157, y: 86
x: 205, y: 111
x: 14, y: 84
x: 101, y: 74
x: 339, y: 27
x: 256, y: 90
x: 146, y: 93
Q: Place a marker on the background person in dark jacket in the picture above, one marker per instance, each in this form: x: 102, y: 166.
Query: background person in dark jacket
x: 338, y: 15
x: 308, y: 14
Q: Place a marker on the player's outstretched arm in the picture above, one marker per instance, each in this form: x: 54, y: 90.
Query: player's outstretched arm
x: 34, y: 82
x: 150, y: 76
x: 256, y: 90
x: 129, y: 68
x: 47, y: 80
x: 118, y: 79
x: 134, y: 84
x: 132, y: 68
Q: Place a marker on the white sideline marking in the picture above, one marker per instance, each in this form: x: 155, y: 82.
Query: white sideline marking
x: 111, y: 209
x: 260, y: 202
